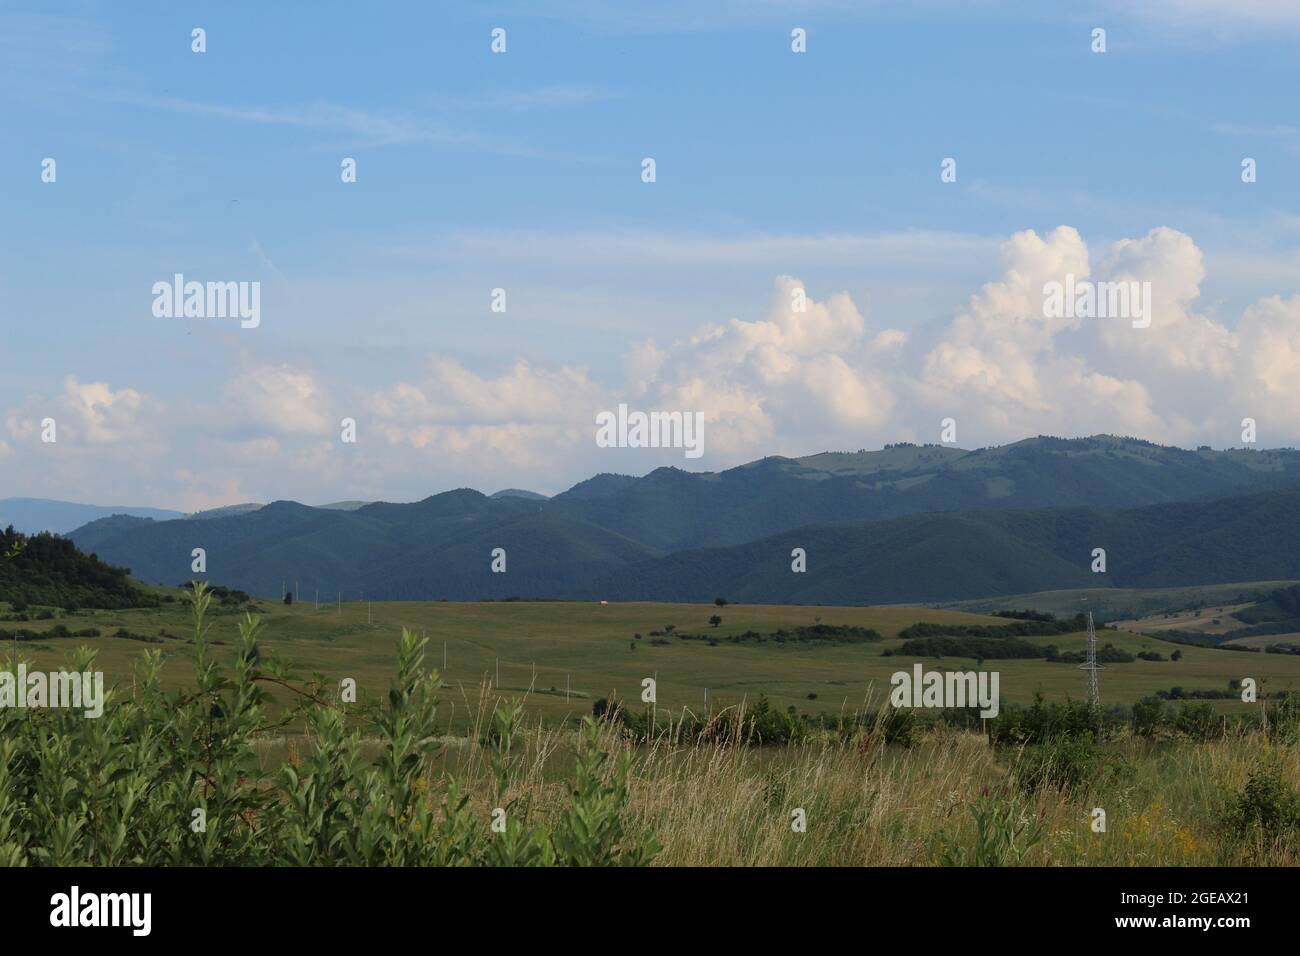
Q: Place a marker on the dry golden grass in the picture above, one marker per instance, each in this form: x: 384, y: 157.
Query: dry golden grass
x: 870, y: 804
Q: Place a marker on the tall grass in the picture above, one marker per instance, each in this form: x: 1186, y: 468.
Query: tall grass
x: 385, y: 783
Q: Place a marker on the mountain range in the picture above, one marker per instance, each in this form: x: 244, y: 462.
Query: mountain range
x: 34, y: 515
x: 905, y: 523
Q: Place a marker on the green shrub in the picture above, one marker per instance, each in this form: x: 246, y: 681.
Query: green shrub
x: 1148, y: 715
x: 1071, y: 764
x: 900, y: 725
x: 1005, y: 830
x: 174, y: 777
x: 1266, y: 810
x: 1198, y: 721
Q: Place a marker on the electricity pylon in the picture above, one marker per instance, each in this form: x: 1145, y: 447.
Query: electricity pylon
x: 1091, y: 666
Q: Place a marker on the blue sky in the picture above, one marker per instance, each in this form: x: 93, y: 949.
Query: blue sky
x: 522, y: 171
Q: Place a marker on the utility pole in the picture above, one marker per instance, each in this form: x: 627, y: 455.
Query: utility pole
x: 1091, y: 666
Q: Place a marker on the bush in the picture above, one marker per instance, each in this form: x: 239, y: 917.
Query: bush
x: 978, y: 648
x: 803, y: 634
x: 1198, y: 721
x: 1005, y: 831
x: 1064, y: 764
x: 900, y: 725
x: 1070, y: 765
x: 1148, y: 714
x: 1043, y: 722
x: 1266, y: 810
x: 121, y: 789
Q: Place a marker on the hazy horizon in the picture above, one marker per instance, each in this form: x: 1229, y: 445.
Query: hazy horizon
x: 522, y: 487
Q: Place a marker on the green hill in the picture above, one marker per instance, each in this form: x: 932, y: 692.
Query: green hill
x: 49, y: 570
x: 439, y: 547
x: 906, y: 523
x: 670, y: 509
x: 948, y: 557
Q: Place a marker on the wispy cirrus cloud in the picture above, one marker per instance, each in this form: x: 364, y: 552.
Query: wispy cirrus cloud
x: 1287, y: 136
x: 374, y: 128
x: 359, y: 127
x: 542, y: 98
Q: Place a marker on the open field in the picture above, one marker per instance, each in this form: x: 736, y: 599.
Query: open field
x: 540, y: 646
x: 1263, y: 640
x: 407, y: 783
x: 1115, y: 604
x: 1208, y: 620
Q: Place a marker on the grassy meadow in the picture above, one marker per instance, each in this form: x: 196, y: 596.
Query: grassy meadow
x: 949, y: 800
x: 422, y: 774
x: 541, y: 647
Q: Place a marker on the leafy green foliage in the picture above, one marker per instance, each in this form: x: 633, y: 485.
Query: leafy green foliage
x: 976, y: 648
x: 1005, y: 830
x: 808, y: 634
x: 1266, y: 810
x: 1034, y: 625
x: 172, y: 778
x: 1069, y: 763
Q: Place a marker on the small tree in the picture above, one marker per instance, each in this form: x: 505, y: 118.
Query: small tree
x: 715, y: 620
x: 288, y: 597
x: 720, y: 601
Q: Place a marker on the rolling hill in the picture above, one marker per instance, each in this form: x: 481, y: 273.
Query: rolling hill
x: 906, y: 523
x: 439, y: 547
x: 670, y: 509
x: 964, y: 555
